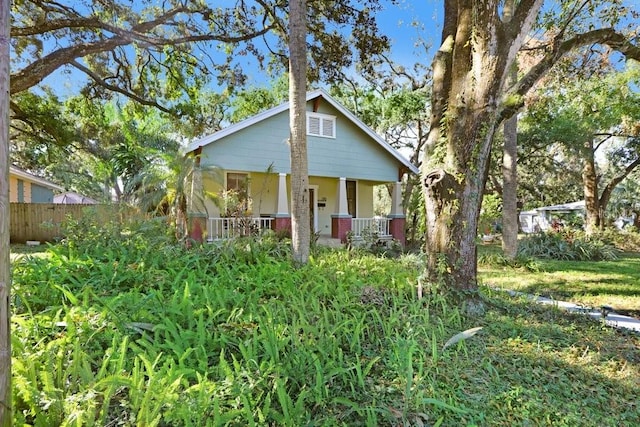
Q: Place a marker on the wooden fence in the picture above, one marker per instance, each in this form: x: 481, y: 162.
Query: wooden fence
x: 42, y: 221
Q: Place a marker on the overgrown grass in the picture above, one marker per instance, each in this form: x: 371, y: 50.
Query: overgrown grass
x: 126, y: 329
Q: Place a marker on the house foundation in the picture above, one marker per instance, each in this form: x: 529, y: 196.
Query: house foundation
x: 340, y: 227
x: 396, y: 229
x: 281, y: 224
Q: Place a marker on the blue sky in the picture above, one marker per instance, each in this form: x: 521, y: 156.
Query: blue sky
x: 404, y: 23
x: 396, y: 23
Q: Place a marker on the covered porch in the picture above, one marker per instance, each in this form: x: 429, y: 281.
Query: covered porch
x: 332, y: 205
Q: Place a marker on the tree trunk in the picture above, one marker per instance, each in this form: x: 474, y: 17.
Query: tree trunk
x: 5, y: 264
x: 605, y: 197
x: 469, y: 73
x: 510, y: 189
x: 590, y: 185
x: 300, y: 216
x: 509, y: 167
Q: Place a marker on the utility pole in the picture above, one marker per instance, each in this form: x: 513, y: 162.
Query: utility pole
x: 6, y: 418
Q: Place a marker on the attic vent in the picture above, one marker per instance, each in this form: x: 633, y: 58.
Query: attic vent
x: 321, y: 125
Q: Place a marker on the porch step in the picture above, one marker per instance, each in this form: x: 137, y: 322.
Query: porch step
x: 329, y: 242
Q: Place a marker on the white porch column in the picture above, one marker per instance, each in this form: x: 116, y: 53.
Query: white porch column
x: 283, y: 204
x: 341, y: 221
x: 396, y: 201
x: 342, y: 207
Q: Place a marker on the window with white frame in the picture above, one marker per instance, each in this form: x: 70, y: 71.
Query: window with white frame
x: 236, y: 198
x: 322, y: 125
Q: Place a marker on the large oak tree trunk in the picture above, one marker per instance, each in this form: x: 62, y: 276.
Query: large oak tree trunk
x: 469, y: 73
x: 300, y: 218
x: 5, y: 266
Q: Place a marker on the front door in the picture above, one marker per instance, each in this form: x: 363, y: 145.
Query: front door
x: 351, y: 198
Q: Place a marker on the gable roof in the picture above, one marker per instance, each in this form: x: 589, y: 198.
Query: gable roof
x: 284, y: 107
x: 30, y: 177
x: 573, y: 206
x: 561, y: 208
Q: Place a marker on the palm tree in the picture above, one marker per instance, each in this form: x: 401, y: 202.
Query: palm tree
x: 171, y: 186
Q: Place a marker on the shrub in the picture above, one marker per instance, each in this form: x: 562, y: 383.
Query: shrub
x: 497, y: 259
x: 568, y: 246
x: 626, y: 240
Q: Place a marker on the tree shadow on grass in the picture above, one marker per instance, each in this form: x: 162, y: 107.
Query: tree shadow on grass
x: 544, y: 366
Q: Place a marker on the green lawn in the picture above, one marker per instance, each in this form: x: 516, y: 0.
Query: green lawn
x: 593, y: 283
x: 20, y: 250
x: 127, y: 329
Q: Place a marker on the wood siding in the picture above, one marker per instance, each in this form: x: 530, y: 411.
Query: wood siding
x: 352, y: 154
x: 42, y: 221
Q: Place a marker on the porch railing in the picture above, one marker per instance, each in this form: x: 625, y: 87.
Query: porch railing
x: 229, y: 228
x: 378, y: 225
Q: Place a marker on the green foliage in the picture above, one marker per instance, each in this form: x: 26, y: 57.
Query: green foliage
x: 120, y: 326
x: 41, y: 132
x: 369, y: 241
x: 568, y: 245
x: 499, y: 260
x: 490, y: 213
x: 249, y: 102
x: 627, y: 240
x: 567, y: 125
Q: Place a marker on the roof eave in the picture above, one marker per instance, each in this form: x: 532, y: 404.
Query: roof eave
x: 41, y: 181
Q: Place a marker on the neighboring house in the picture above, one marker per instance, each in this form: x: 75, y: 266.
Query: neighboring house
x: 346, y: 160
x: 72, y: 198
x: 27, y: 188
x: 540, y: 219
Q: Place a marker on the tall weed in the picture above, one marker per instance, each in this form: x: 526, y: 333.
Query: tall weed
x: 132, y: 329
x: 568, y: 246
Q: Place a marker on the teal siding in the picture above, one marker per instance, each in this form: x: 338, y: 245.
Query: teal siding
x: 352, y: 154
x: 253, y: 148
x: 40, y: 194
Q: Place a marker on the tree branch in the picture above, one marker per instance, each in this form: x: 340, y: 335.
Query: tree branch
x: 608, y: 190
x: 606, y: 36
x: 100, y: 81
x: 55, y: 25
x: 35, y: 72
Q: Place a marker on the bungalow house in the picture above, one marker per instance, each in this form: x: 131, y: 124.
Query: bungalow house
x: 27, y: 188
x: 540, y: 219
x: 346, y: 160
